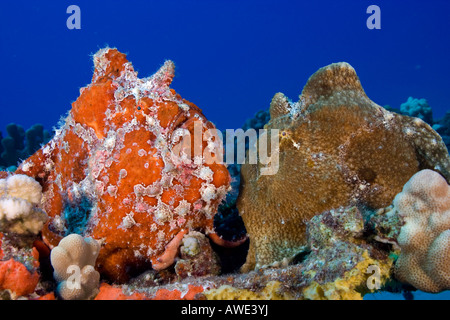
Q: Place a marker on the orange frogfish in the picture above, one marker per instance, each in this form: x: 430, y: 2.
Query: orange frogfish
x: 111, y: 169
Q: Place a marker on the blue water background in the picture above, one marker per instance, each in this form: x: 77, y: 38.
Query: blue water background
x: 231, y: 56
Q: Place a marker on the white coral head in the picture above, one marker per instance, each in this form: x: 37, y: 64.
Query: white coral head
x: 23, y: 187
x: 20, y: 198
x: 73, y: 262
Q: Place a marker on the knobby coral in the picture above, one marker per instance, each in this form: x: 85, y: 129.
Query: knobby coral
x: 73, y: 261
x: 113, y: 169
x: 424, y: 205
x: 337, y: 148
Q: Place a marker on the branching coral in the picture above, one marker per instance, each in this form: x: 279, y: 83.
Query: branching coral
x: 20, y: 199
x: 73, y: 261
x: 424, y: 204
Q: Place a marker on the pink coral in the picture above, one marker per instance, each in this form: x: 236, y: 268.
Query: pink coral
x: 424, y: 204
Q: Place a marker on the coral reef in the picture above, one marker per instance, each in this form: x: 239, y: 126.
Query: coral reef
x: 258, y: 121
x: 115, y: 155
x: 418, y: 108
x: 337, y: 148
x: 20, y: 144
x: 442, y: 126
x: 185, y: 292
x: 343, y: 262
x: 129, y: 218
x: 20, y: 200
x: 385, y: 224
x: 108, y: 292
x: 15, y: 277
x: 271, y: 291
x: 73, y: 261
x: 341, y: 255
x: 196, y: 257
x: 421, y: 109
x: 19, y: 265
x: 424, y: 206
